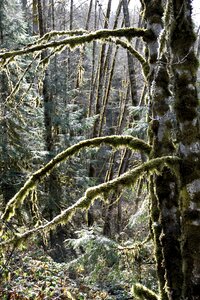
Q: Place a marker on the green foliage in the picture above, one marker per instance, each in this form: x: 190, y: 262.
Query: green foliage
x: 140, y: 125
x: 103, y: 261
x: 98, y: 258
x: 12, y: 24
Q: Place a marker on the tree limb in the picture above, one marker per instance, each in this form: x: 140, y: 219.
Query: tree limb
x: 101, y: 190
x: 134, y: 52
x: 143, y: 293
x: 81, y: 39
x: 114, y: 140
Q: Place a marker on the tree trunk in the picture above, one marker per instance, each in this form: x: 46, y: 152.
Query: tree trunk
x: 53, y: 187
x: 131, y: 68
x: 173, y: 68
x: 165, y: 214
x: 35, y: 17
x: 184, y: 71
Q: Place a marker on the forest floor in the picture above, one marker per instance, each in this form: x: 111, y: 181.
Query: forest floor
x: 33, y: 275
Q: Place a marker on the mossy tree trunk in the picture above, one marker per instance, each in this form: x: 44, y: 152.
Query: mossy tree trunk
x: 173, y: 101
x: 184, y: 71
x: 165, y: 213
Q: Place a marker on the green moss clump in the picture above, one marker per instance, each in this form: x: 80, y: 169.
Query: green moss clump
x: 182, y: 38
x: 184, y: 111
x: 152, y: 10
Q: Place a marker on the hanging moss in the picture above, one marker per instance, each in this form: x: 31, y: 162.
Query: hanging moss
x: 115, y: 141
x: 127, y: 179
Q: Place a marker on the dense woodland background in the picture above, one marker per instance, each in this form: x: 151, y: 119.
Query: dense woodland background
x: 58, y: 97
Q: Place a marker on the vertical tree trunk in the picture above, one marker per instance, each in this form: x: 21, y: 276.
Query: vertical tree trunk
x: 131, y: 68
x: 98, y: 100
x: 165, y: 212
x: 184, y: 70
x: 35, y: 17
x: 69, y: 60
x: 93, y: 77
x: 24, y: 5
x: 101, y: 74
x: 53, y: 187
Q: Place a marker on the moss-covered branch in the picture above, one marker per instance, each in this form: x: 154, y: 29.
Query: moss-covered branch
x: 114, y: 140
x: 127, y: 179
x: 81, y: 39
x: 126, y: 45
x: 143, y: 293
x: 54, y: 33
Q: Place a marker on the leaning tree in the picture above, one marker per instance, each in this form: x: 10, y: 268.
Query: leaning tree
x: 172, y: 151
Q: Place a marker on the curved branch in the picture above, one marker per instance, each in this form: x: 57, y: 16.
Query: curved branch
x: 114, y: 140
x: 127, y: 179
x: 134, y: 52
x: 81, y: 39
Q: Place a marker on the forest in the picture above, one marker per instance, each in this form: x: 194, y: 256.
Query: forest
x: 99, y: 150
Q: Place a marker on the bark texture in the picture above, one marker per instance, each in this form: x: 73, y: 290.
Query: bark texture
x: 184, y: 71
x: 174, y: 129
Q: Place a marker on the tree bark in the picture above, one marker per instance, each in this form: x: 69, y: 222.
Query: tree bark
x: 184, y: 70
x: 165, y: 213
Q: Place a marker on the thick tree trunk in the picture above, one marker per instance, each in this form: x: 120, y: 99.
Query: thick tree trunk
x: 175, y: 200
x: 184, y: 71
x: 165, y: 213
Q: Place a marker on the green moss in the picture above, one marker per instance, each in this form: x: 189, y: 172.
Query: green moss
x: 182, y: 38
x: 135, y: 53
x: 115, y: 141
x: 188, y: 134
x: 160, y: 105
x: 152, y: 10
x: 185, y: 106
x: 80, y: 40
x: 143, y: 293
x: 189, y: 170
x: 196, y: 198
